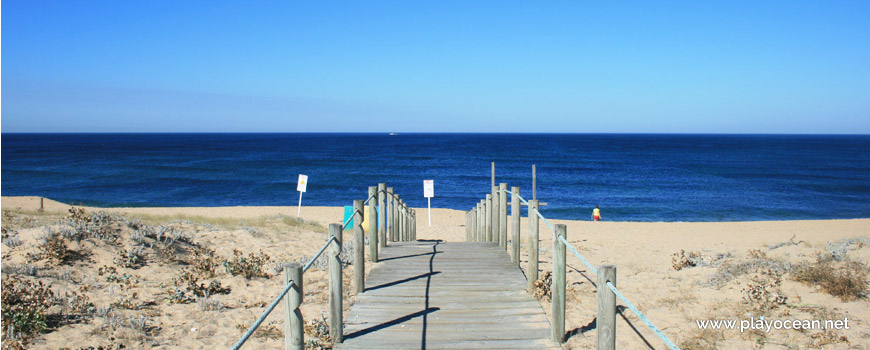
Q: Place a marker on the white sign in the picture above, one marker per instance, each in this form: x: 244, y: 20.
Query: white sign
x: 428, y: 188
x: 303, y: 183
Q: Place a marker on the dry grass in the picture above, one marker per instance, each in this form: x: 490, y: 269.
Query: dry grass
x: 844, y: 279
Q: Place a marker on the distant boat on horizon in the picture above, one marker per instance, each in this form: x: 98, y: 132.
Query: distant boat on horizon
x: 393, y: 134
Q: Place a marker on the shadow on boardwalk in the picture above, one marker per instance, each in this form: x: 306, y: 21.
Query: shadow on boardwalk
x: 434, y: 294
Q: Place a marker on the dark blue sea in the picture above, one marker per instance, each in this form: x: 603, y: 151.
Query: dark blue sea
x: 631, y: 177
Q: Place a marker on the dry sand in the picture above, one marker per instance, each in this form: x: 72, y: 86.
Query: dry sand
x: 643, y: 253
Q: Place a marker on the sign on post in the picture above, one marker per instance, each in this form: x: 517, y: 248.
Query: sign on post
x: 429, y: 192
x: 301, y: 186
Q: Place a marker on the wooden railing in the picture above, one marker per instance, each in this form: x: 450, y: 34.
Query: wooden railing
x: 396, y: 222
x: 487, y: 222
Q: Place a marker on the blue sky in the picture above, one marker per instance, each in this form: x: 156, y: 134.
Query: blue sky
x: 464, y: 66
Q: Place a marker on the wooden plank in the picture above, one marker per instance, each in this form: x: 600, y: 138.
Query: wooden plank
x: 428, y: 294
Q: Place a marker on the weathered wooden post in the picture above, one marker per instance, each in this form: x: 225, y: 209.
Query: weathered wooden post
x: 533, y: 245
x: 398, y: 208
x: 502, y: 215
x: 336, y: 327
x: 474, y: 223
x: 41, y: 204
x: 605, y: 322
x: 359, y: 261
x: 516, y: 211
x: 382, y: 215
x: 495, y: 211
x: 488, y: 218
x: 372, y: 218
x: 293, y: 334
x: 481, y: 237
x: 478, y: 227
x: 405, y: 218
x: 558, y: 285
x: 468, y: 226
x: 403, y: 223
x: 391, y: 207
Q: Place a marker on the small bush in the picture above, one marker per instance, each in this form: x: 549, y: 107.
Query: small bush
x: 763, y: 292
x: 846, y: 280
x: 79, y: 225
x: 207, y: 303
x: 250, y: 266
x: 681, y: 260
x: 317, y: 334
x: 130, y: 259
x: 188, y: 281
x: 26, y: 269
x: 52, y: 248
x: 542, y: 287
x: 203, y: 261
x: 24, y: 308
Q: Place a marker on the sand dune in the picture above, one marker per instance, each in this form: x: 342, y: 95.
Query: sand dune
x: 731, y: 257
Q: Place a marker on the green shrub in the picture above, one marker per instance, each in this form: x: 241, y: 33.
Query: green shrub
x: 24, y: 307
x: 250, y: 266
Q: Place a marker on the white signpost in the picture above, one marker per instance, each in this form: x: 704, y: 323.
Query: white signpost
x: 429, y: 192
x: 301, y: 186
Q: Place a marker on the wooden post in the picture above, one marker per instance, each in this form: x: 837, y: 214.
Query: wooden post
x: 534, y: 183
x: 482, y: 234
x: 533, y: 245
x: 392, y: 215
x: 516, y: 211
x: 605, y: 323
x: 373, y: 221
x: 502, y: 215
x: 478, y: 228
x: 397, y: 207
x: 488, y: 218
x: 41, y: 204
x: 382, y: 215
x: 493, y: 174
x: 468, y: 226
x: 558, y: 286
x: 293, y: 334
x: 336, y: 326
x: 495, y: 237
x: 359, y: 261
x: 403, y: 225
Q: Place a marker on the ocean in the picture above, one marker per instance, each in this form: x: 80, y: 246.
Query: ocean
x: 631, y: 177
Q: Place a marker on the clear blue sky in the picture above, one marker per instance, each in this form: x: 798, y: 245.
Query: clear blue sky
x: 463, y: 66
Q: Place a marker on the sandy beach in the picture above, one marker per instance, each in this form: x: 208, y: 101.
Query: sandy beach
x: 728, y: 271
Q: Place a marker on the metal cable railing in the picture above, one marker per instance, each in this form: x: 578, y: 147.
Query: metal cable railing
x: 289, y: 285
x: 643, y: 318
x: 275, y: 302
x: 616, y: 291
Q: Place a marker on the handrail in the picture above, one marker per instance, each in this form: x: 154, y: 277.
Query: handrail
x: 640, y: 315
x: 616, y: 291
x: 263, y: 317
x: 370, y: 198
x: 552, y: 228
x: 314, y: 258
x: 347, y: 222
x: 582, y: 259
x: 275, y: 302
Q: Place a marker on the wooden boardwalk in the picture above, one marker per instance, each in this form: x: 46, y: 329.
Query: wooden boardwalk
x: 436, y: 295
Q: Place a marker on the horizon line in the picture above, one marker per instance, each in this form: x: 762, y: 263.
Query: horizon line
x: 398, y: 133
